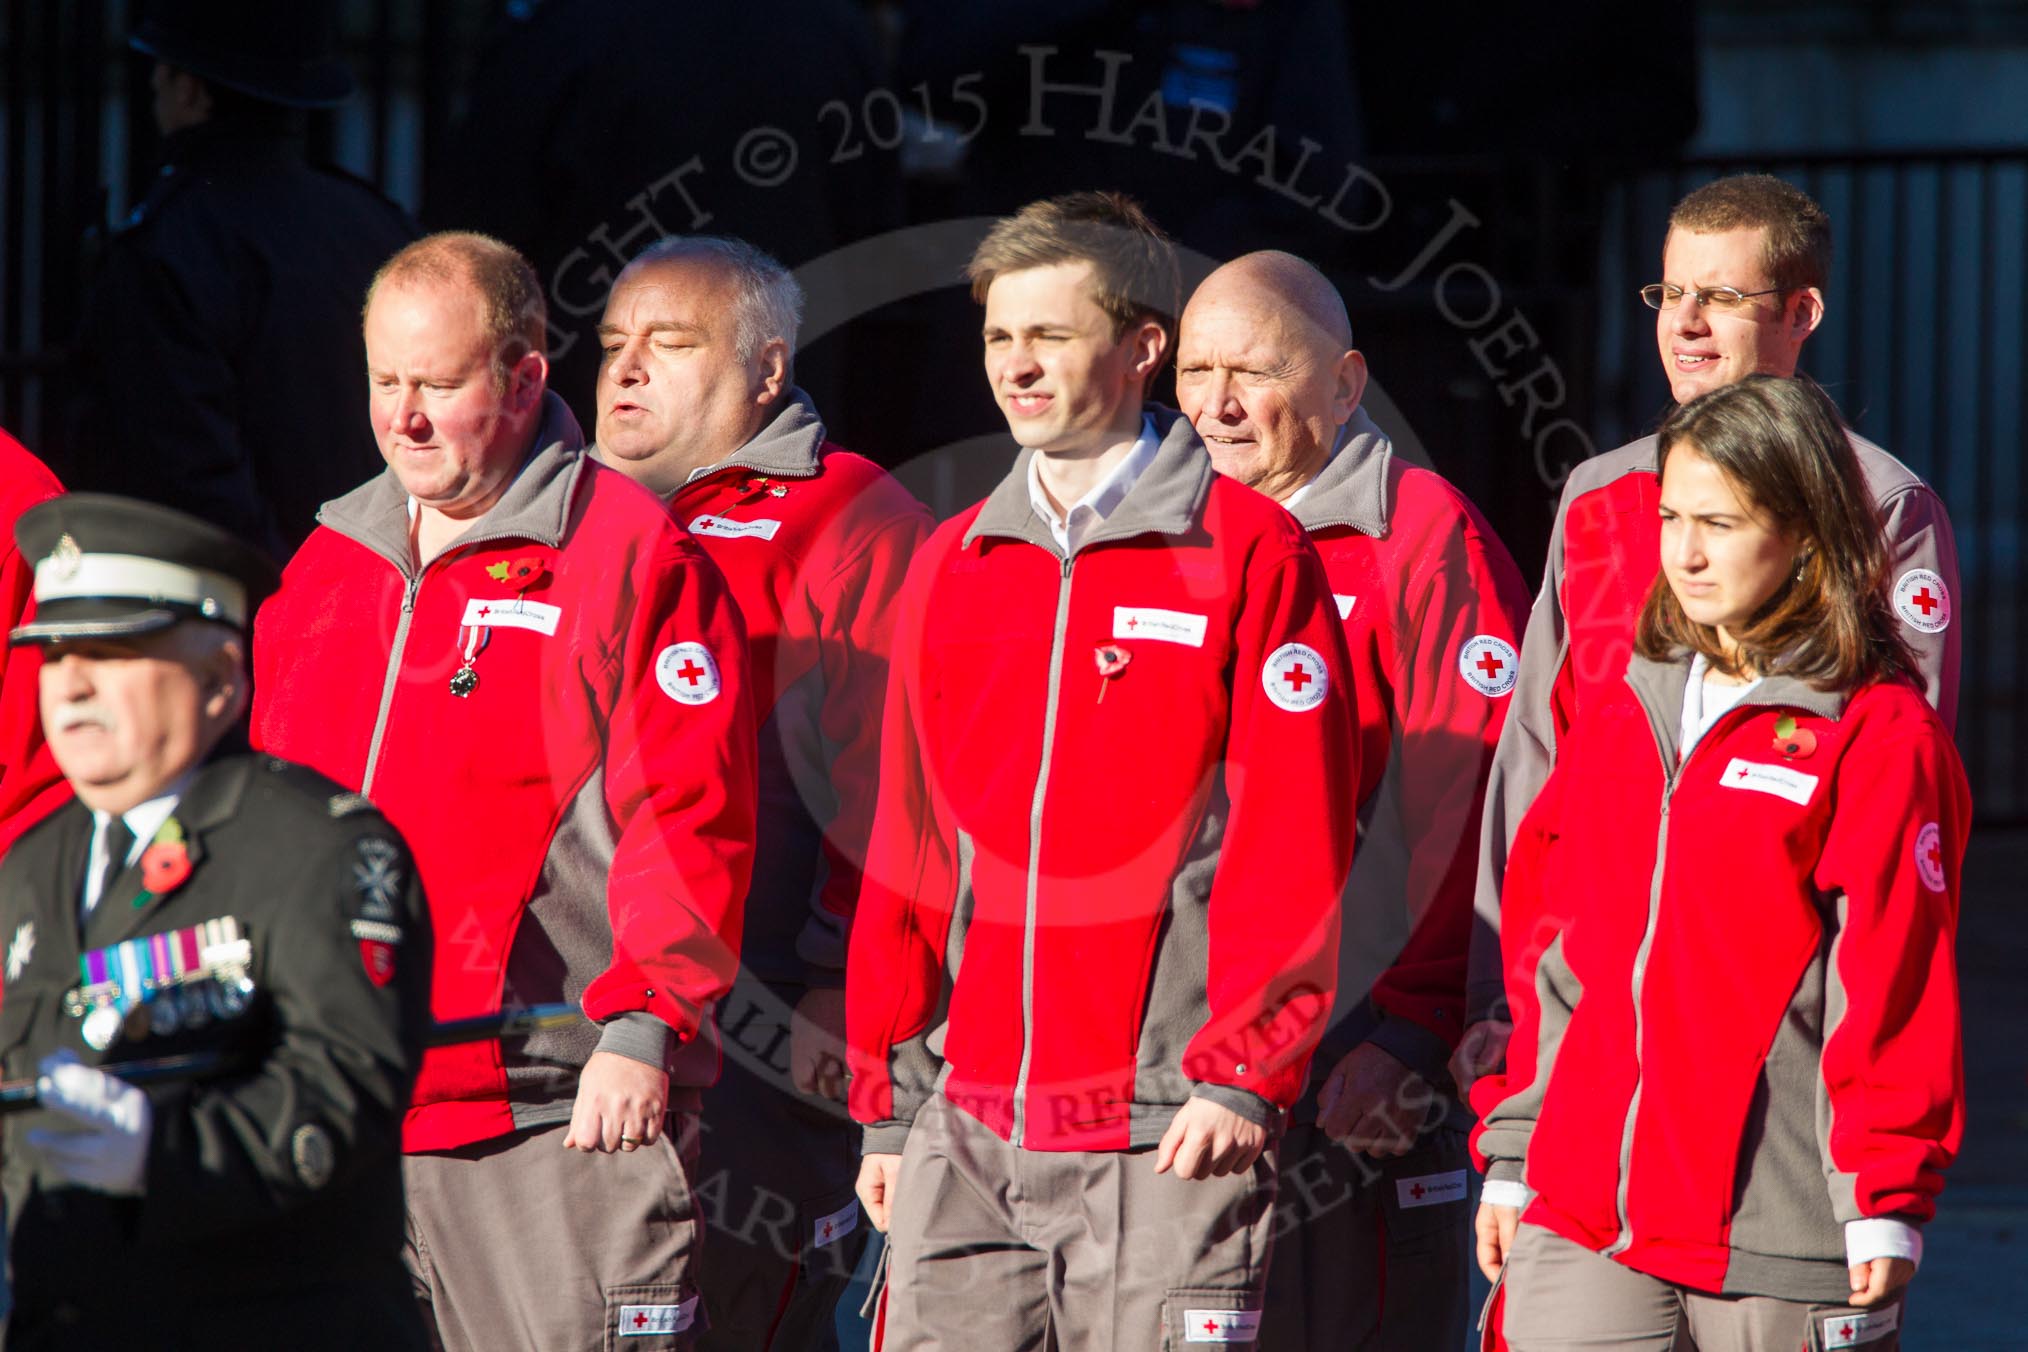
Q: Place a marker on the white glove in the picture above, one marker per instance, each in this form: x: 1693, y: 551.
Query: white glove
x: 108, y: 1148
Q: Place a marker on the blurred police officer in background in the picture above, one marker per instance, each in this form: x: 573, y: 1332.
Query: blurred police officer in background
x: 216, y: 367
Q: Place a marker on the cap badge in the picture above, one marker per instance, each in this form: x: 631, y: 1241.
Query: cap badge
x: 66, y: 559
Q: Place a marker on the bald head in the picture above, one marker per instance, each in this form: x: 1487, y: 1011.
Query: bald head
x: 1289, y: 286
x: 1266, y: 371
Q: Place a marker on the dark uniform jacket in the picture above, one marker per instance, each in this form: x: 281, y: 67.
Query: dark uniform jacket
x: 272, y: 1210
x: 219, y: 366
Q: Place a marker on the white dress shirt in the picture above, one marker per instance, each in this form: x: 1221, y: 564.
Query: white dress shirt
x: 1070, y: 529
x: 144, y: 820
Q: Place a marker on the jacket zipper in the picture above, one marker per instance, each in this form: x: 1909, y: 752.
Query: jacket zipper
x: 1035, y: 857
x: 388, y: 683
x: 456, y: 549
x: 1672, y: 775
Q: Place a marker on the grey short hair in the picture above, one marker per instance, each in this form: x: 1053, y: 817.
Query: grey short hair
x: 768, y: 302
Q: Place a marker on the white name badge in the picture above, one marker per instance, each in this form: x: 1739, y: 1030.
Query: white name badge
x: 514, y: 612
x: 1779, y: 780
x: 1170, y: 626
x: 726, y: 529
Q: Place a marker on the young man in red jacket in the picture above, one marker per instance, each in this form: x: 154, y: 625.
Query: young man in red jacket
x: 1370, y: 1249
x: 696, y: 402
x: 542, y: 681
x: 1098, y: 936
x: 1744, y: 267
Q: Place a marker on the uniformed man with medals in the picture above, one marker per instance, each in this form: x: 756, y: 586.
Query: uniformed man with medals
x: 237, y: 919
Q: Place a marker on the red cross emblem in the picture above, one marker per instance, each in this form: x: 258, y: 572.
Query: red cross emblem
x: 1744, y: 773
x: 690, y: 671
x: 1416, y: 1192
x: 1211, y: 1326
x: 1933, y: 857
x: 1847, y: 1331
x: 1133, y: 622
x: 640, y: 1321
x: 1487, y: 663
x: 1297, y: 677
x: 825, y: 1230
x: 1924, y: 602
x: 484, y: 611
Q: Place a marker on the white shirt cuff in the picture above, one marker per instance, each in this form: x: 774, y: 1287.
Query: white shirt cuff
x: 1507, y: 1192
x: 1879, y: 1237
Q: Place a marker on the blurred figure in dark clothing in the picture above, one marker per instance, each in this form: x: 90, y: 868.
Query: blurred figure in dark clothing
x: 1194, y: 107
x: 218, y: 368
x: 596, y: 127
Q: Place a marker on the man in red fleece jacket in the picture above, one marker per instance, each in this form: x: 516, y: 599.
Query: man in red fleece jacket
x: 1101, y: 911
x: 542, y: 681
x: 1370, y: 1251
x: 1743, y: 271
x: 697, y: 403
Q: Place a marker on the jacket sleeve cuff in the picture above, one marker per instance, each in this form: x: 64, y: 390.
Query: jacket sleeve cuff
x: 1506, y: 1192
x: 1245, y: 1102
x: 1881, y: 1237
x: 1504, y: 1171
x: 883, y: 1138
x: 638, y: 1037
x: 1425, y: 1052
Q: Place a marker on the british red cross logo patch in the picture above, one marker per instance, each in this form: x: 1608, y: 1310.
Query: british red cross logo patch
x: 1294, y: 678
x: 1929, y: 857
x: 1489, y: 665
x: 1923, y: 601
x: 687, y: 673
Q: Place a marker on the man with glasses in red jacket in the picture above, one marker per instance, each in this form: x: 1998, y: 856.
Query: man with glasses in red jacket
x: 1744, y: 268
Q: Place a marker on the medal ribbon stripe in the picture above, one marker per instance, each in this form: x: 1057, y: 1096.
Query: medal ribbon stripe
x: 126, y: 974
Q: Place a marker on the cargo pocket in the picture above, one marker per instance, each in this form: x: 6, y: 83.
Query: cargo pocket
x: 1834, y: 1328
x: 1196, y: 1315
x: 655, y: 1317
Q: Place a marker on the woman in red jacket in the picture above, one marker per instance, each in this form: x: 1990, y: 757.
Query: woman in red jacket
x: 1736, y: 1078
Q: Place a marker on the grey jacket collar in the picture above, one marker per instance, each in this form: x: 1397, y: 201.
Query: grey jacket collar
x: 787, y: 448
x: 1167, y: 499
x: 1351, y: 489
x: 536, y: 506
x: 1660, y: 687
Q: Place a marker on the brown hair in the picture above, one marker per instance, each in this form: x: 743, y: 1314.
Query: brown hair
x: 1796, y: 234
x: 1781, y: 443
x: 1135, y: 277
x: 515, y: 316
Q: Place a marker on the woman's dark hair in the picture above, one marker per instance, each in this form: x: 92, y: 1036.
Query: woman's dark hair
x: 1782, y: 444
